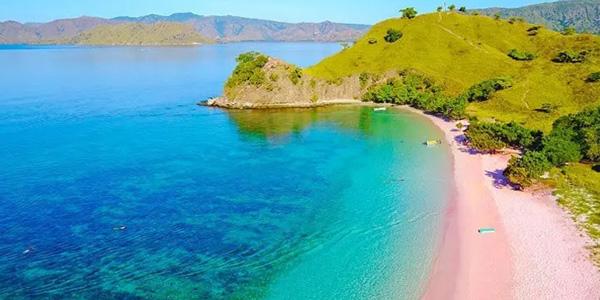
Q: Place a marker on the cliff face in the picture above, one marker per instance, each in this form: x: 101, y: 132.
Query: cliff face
x: 285, y: 85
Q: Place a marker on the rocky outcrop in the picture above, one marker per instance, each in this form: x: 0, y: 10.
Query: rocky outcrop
x: 286, y: 85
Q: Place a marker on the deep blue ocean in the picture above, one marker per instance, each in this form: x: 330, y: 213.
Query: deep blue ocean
x: 124, y: 188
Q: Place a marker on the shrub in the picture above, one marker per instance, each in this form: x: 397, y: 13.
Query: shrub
x: 372, y: 41
x: 475, y: 13
x: 274, y: 77
x: 531, y: 166
x: 570, y: 56
x: 452, y: 7
x: 596, y: 168
x: 462, y: 9
x: 560, y: 151
x: 547, y: 108
x: 439, y: 9
x: 345, y: 45
x: 569, y: 31
x: 295, y: 75
x: 521, y: 55
x: 249, y: 69
x: 486, y: 89
x: 594, y: 77
x: 534, y: 28
x: 363, y: 78
x: 409, y: 13
x: 314, y: 98
x: 487, y: 136
x: 497, y: 16
x: 313, y: 83
x: 514, y: 20
x: 393, y: 35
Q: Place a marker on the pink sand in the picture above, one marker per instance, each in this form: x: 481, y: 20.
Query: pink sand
x: 535, y: 253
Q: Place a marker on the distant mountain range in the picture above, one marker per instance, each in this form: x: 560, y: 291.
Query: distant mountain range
x: 217, y: 28
x: 583, y: 15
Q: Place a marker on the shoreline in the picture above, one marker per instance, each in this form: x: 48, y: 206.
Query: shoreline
x: 536, y: 252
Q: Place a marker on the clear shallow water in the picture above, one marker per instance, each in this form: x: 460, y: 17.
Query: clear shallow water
x: 287, y: 204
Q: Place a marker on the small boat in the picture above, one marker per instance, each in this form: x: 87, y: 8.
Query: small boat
x: 433, y: 142
x: 380, y: 109
x: 486, y: 230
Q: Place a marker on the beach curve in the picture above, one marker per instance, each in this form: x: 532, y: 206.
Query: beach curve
x: 536, y: 251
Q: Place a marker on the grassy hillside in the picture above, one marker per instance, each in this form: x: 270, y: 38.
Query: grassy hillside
x: 165, y: 33
x: 462, y: 50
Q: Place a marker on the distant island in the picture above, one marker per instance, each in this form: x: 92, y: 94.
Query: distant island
x: 221, y: 29
x: 519, y: 105
x: 158, y: 34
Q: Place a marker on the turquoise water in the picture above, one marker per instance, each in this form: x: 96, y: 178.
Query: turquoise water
x: 329, y: 203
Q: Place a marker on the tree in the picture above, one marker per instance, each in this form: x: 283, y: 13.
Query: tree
x: 439, y: 9
x: 569, y: 31
x: 452, y: 7
x: 462, y: 9
x: 497, y: 16
x: 409, y: 13
x: 345, y: 45
x: 393, y: 35
x: 521, y: 55
x: 560, y: 151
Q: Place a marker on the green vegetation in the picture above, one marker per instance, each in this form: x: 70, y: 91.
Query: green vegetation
x: 487, y: 136
x: 462, y: 9
x: 393, y: 35
x: 274, y: 77
x: 418, y: 91
x: 162, y: 33
x: 594, y: 77
x: 547, y: 108
x: 372, y: 41
x: 249, y: 70
x: 573, y: 138
x: 452, y: 7
x: 295, y: 75
x: 570, y: 56
x: 485, y: 90
x: 514, y: 20
x: 497, y: 16
x: 520, y: 55
x: 409, y: 13
x: 569, y: 31
x: 439, y: 9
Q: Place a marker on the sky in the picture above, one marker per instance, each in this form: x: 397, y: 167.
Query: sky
x: 345, y: 11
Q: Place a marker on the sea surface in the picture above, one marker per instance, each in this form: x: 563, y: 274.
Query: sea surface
x: 124, y: 188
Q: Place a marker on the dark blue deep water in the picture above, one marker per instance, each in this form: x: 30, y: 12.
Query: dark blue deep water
x: 329, y: 203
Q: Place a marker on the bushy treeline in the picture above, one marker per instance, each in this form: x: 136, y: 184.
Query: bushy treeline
x: 573, y: 138
x: 488, y: 136
x: 418, y: 91
x: 248, y: 70
x: 486, y: 89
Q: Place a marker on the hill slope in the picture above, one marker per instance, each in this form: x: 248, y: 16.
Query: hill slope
x: 584, y: 15
x: 460, y: 51
x: 162, y: 33
x: 222, y: 28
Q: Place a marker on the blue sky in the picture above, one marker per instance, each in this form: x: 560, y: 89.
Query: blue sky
x: 348, y: 11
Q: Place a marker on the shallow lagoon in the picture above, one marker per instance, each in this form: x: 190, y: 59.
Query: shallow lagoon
x: 286, y: 204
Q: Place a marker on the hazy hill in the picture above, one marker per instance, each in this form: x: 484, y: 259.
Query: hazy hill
x: 222, y: 28
x: 161, y: 33
x: 584, y: 15
x: 231, y: 28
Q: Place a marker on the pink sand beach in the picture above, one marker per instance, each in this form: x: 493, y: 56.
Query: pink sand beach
x: 536, y: 251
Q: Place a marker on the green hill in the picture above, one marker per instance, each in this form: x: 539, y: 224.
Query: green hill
x: 162, y: 33
x: 461, y: 50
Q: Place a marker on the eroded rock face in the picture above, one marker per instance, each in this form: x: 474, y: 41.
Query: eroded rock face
x: 289, y: 86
